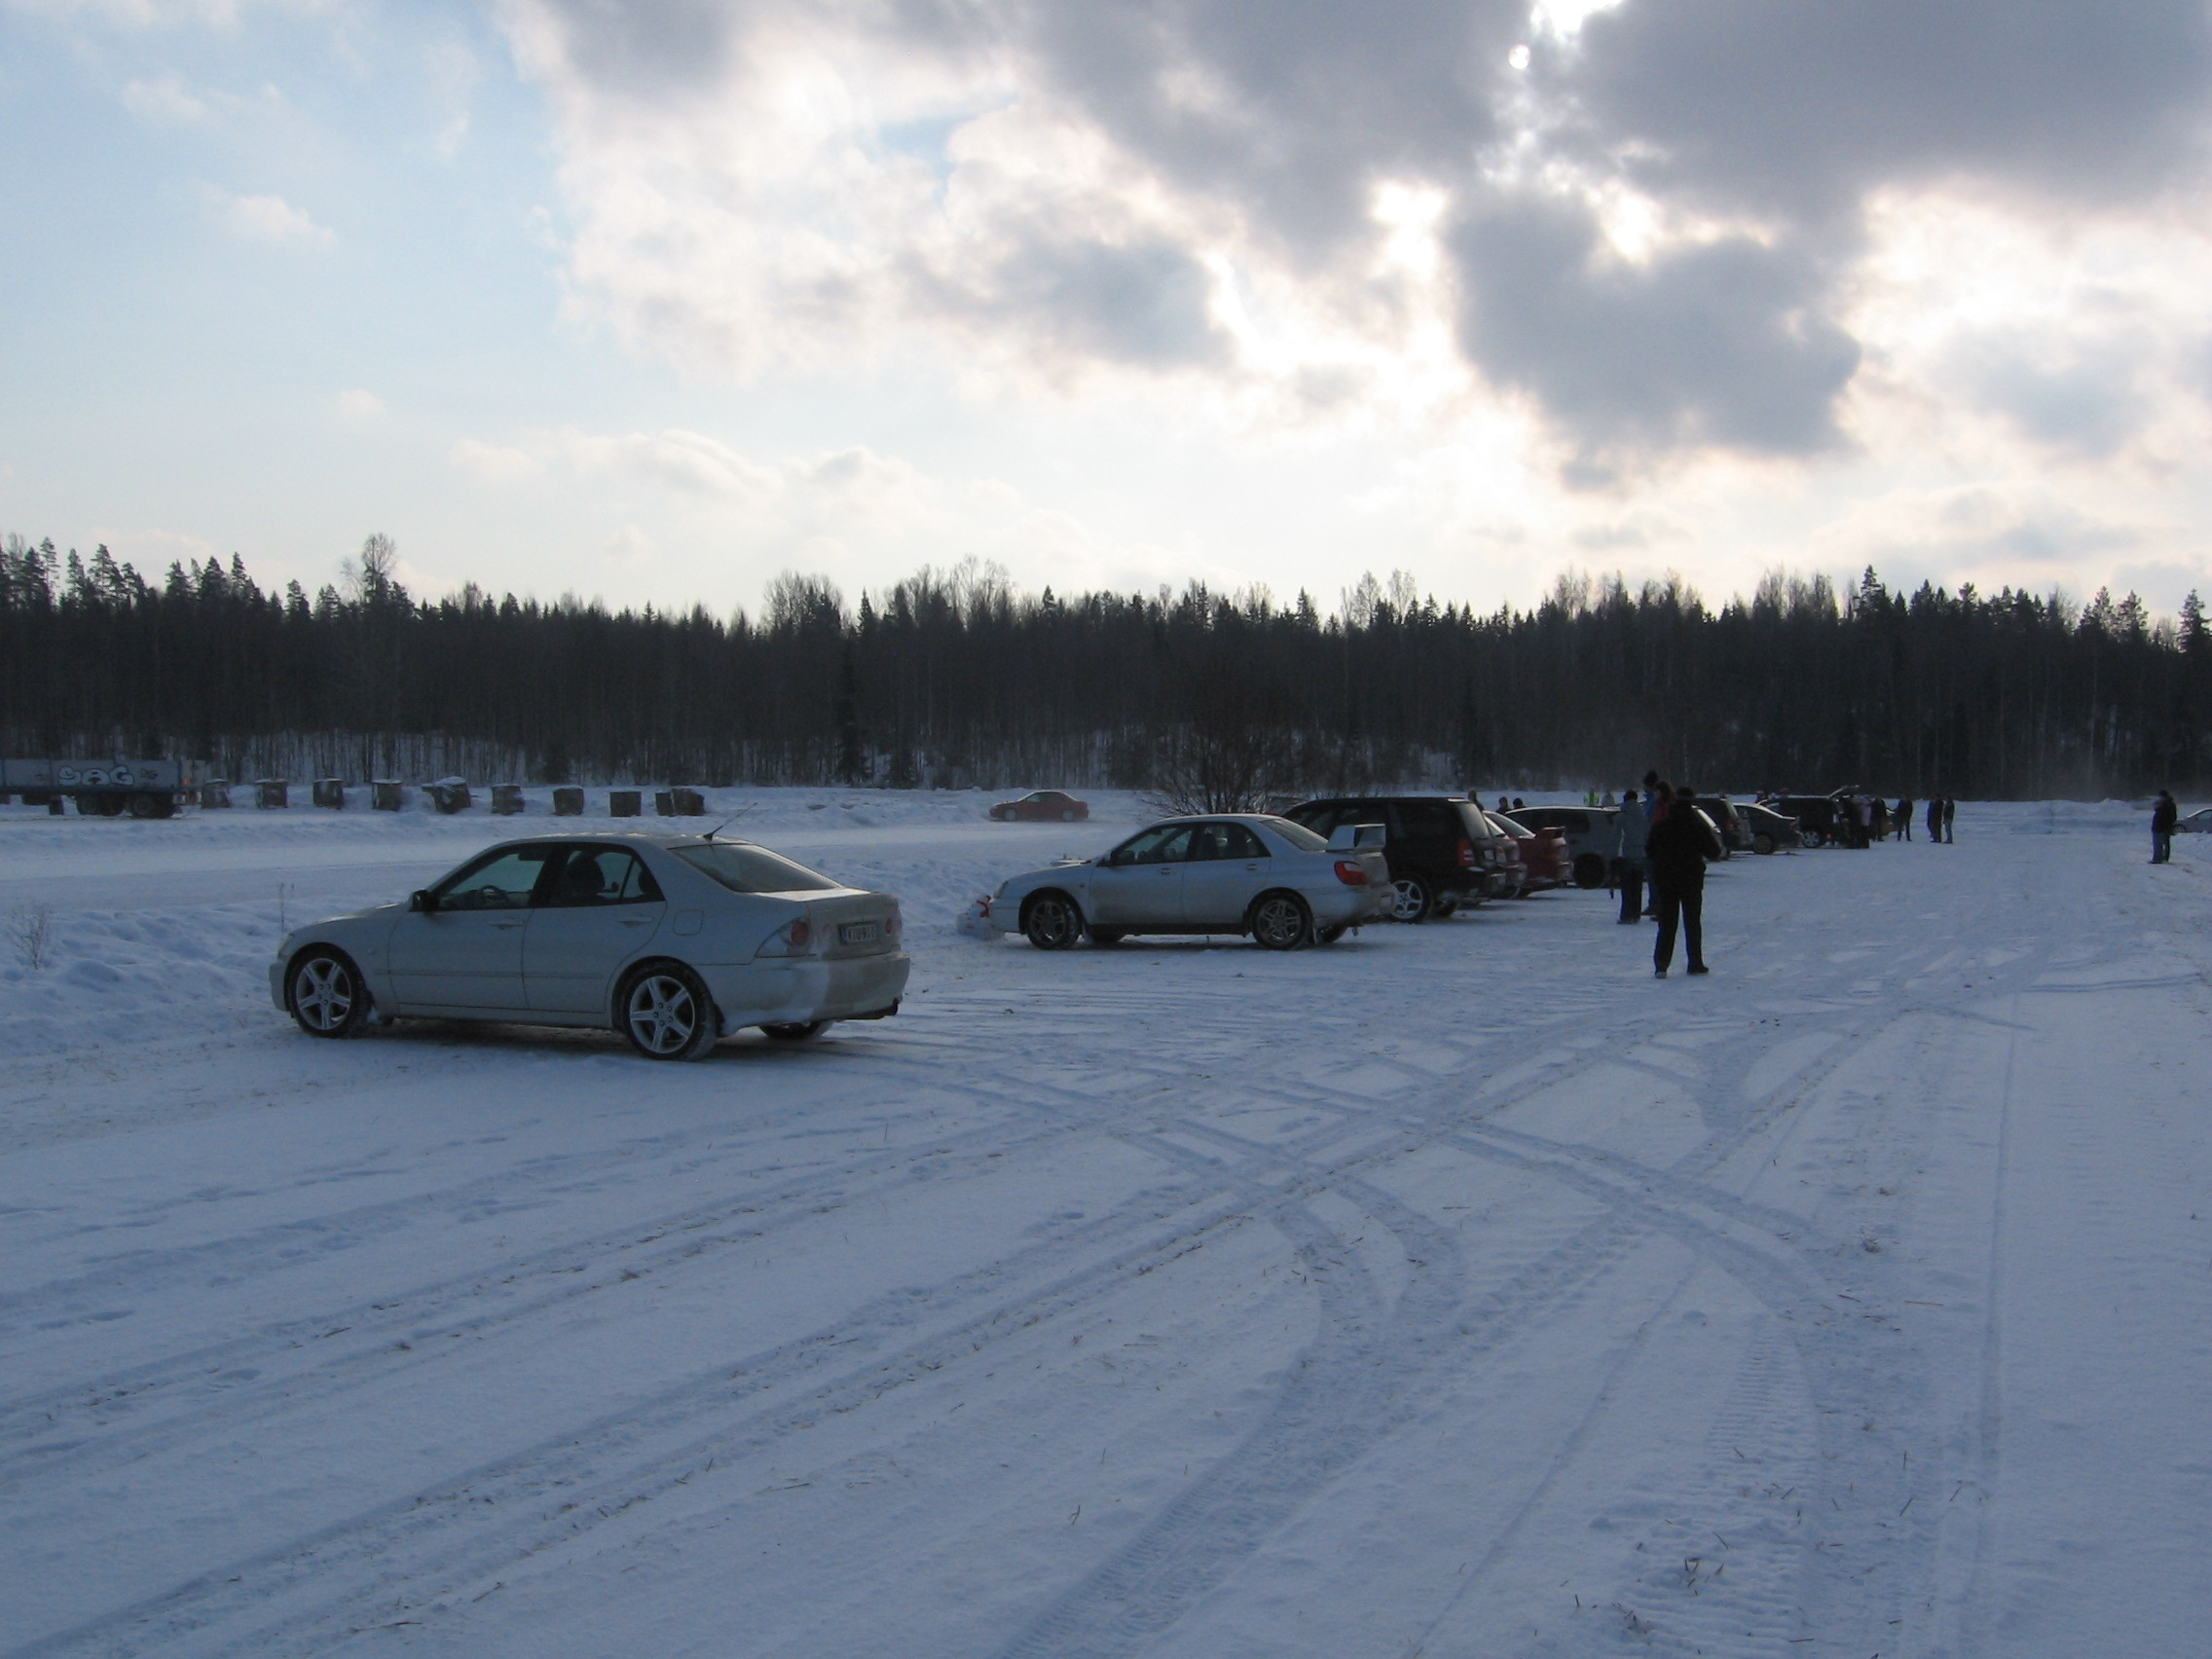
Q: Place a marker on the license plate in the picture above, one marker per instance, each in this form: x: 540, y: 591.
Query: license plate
x: 856, y: 933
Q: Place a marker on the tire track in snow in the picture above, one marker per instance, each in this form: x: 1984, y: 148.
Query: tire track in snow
x: 1212, y: 1527
x: 63, y: 1431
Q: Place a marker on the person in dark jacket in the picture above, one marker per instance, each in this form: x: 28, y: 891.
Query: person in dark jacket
x: 2163, y: 817
x: 1950, y: 811
x: 1680, y: 844
x: 1901, y: 818
x: 1935, y: 821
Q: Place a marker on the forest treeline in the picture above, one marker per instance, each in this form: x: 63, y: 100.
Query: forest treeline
x: 954, y: 678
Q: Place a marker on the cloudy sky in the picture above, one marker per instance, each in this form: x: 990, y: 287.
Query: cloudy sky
x: 652, y: 299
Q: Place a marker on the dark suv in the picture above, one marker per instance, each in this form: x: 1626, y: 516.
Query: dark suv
x: 1440, y: 851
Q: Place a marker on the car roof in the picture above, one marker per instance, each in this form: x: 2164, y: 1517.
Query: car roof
x: 669, y: 839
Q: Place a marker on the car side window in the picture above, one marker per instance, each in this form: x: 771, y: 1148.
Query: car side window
x: 497, y: 881
x: 602, y: 875
x: 1215, y: 841
x: 1426, y: 820
x: 1163, y: 843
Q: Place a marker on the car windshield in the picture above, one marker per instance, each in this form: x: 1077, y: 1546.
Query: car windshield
x: 744, y: 869
x: 1298, y: 835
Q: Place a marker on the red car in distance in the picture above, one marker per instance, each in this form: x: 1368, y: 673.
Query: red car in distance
x: 1041, y: 807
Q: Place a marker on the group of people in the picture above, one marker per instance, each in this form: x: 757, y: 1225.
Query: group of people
x: 1864, y: 820
x: 1665, y: 845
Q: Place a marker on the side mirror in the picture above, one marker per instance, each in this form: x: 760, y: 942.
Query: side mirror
x: 421, y: 900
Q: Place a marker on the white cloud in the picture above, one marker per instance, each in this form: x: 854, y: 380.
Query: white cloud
x: 493, y: 463
x: 165, y: 98
x: 271, y: 220
x: 355, y: 404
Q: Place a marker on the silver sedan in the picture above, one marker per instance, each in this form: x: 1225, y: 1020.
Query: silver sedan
x: 1240, y: 874
x: 672, y: 942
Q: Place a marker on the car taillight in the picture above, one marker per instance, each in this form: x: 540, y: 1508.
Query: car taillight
x: 891, y: 923
x: 790, y: 940
x: 1466, y: 854
x: 1351, y: 874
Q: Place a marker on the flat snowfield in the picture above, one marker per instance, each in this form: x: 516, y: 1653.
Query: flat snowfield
x: 1455, y: 1290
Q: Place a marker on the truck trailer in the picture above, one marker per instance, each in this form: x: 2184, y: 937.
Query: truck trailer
x: 103, y: 789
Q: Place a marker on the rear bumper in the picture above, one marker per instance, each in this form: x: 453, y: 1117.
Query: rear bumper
x: 798, y: 993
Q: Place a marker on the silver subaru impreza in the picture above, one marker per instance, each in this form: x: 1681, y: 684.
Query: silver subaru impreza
x: 672, y: 941
x: 1237, y: 873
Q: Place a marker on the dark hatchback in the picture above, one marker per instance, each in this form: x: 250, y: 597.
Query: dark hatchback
x: 1439, y: 850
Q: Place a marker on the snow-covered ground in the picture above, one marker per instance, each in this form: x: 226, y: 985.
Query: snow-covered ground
x: 1457, y: 1290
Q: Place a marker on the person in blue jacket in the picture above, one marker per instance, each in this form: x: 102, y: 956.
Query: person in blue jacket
x: 1630, y: 829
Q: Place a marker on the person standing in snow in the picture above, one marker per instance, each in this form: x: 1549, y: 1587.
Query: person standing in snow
x: 1902, y: 818
x: 2163, y: 817
x: 1631, y: 828
x: 1677, y: 850
x: 1950, y: 811
x: 1934, y: 819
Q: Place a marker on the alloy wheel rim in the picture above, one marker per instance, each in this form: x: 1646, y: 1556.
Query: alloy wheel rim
x: 662, y: 1016
x: 1278, y: 921
x: 1052, y: 920
x: 1409, y: 899
x: 323, y: 993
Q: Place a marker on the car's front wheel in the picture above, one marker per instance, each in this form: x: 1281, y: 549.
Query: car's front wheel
x: 1280, y: 921
x: 1590, y: 872
x: 1413, y: 902
x: 1762, y: 843
x: 666, y: 1013
x: 323, y: 990
x: 800, y: 1031
x: 1050, y: 921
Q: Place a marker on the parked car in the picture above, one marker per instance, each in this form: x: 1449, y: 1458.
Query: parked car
x: 1818, y: 818
x: 1442, y: 851
x: 1590, y: 833
x: 1236, y: 873
x: 2198, y: 823
x: 1053, y: 806
x: 1770, y: 832
x: 672, y: 942
x: 1722, y: 813
x: 1544, y: 860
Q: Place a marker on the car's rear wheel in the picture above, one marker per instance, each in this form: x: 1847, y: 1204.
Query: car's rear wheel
x: 1590, y: 870
x: 803, y: 1031
x: 1280, y: 921
x: 1414, y: 901
x: 324, y: 994
x: 1067, y: 815
x: 1050, y: 921
x: 666, y: 1013
x: 1762, y: 843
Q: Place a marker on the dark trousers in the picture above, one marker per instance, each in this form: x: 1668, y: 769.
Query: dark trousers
x: 1630, y: 876
x: 1683, y: 906
x: 2161, y: 847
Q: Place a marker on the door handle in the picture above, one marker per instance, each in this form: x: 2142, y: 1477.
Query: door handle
x: 504, y: 925
x: 630, y: 922
x: 1168, y: 872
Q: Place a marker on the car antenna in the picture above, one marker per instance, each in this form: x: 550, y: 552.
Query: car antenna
x: 727, y: 822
